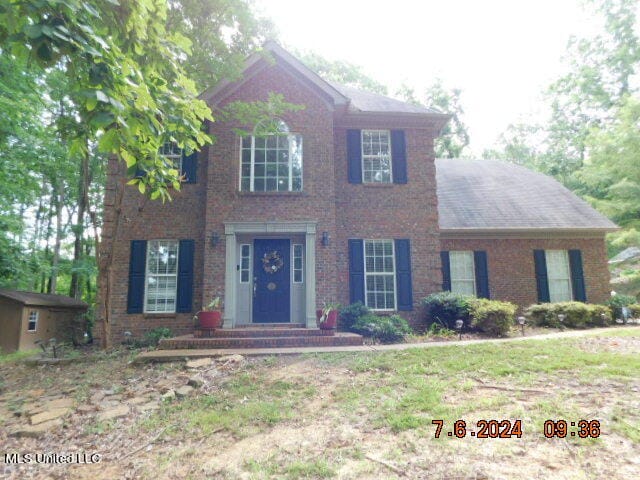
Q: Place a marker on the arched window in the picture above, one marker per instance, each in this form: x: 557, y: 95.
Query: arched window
x: 272, y: 161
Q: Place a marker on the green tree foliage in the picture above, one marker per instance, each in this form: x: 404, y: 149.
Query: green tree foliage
x: 454, y: 137
x: 222, y: 32
x: 342, y: 72
x: 590, y: 139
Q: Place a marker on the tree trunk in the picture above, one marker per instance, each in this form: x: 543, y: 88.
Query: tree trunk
x: 55, y: 261
x: 75, y: 290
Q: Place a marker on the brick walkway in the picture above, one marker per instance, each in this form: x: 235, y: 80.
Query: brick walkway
x: 176, y: 355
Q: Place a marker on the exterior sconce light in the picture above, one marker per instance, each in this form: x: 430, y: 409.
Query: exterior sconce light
x: 459, y: 325
x: 215, y: 239
x: 325, y: 239
x: 522, y: 321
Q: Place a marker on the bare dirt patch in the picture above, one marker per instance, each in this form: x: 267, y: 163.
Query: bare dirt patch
x: 359, y: 416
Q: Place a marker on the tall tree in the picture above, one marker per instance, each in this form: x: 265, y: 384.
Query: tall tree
x: 454, y: 137
x: 341, y: 72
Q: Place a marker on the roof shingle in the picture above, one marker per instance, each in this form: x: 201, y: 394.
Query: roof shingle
x: 495, y: 195
x: 42, y: 299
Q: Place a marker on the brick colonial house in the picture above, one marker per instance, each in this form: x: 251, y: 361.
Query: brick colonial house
x: 347, y: 203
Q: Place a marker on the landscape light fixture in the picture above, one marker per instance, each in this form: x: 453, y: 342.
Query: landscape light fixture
x: 459, y: 325
x: 215, y: 239
x: 522, y: 321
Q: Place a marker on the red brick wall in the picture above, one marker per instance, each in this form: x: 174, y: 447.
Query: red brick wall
x: 315, y: 202
x: 512, y: 272
x: 392, y: 211
x: 143, y: 219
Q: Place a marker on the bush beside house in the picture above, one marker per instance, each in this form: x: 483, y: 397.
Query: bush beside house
x: 489, y: 316
x: 576, y: 315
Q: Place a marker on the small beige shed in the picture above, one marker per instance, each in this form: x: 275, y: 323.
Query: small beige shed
x: 26, y: 317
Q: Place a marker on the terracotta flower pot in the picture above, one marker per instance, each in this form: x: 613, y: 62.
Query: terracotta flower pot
x: 330, y: 322
x: 211, y: 319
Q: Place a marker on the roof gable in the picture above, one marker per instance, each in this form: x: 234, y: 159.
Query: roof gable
x: 272, y: 52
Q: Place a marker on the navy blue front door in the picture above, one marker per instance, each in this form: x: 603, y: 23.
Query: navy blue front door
x: 272, y: 281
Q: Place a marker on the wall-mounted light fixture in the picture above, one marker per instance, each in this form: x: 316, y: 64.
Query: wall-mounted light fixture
x: 215, y: 239
x: 325, y: 239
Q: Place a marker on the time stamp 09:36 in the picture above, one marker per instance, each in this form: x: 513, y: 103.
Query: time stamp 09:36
x: 513, y: 429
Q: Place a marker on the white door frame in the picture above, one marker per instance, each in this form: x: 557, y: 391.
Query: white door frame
x: 232, y: 229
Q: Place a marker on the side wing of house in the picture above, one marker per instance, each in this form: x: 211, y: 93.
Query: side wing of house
x: 508, y: 233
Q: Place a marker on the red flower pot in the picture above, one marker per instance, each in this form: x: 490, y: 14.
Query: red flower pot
x: 210, y: 319
x: 330, y: 322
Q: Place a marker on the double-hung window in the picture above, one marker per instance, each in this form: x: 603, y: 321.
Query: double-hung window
x: 33, y: 321
x: 379, y: 268
x: 161, y: 276
x: 271, y: 163
x: 559, y: 276
x: 376, y: 156
x: 463, y: 279
x: 173, y: 153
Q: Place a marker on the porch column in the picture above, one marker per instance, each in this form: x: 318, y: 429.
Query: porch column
x: 310, y: 269
x: 230, y: 280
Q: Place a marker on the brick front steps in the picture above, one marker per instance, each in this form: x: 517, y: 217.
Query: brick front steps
x: 262, y: 337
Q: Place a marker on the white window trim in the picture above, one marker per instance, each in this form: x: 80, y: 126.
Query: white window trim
x: 242, y: 245
x: 568, y: 278
x: 473, y: 264
x: 176, y: 157
x: 391, y: 274
x: 146, y: 276
x: 293, y: 263
x: 253, y: 165
x: 35, y: 321
x: 362, y: 156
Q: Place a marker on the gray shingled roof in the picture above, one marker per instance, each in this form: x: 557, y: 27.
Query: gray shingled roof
x: 362, y: 101
x: 489, y: 194
x: 42, y: 299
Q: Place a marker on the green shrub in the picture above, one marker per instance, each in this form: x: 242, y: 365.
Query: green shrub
x: 492, y: 316
x: 577, y: 315
x: 618, y: 301
x: 445, y: 308
x: 350, y: 314
x: 387, y: 329
x: 153, y: 337
x: 635, y: 310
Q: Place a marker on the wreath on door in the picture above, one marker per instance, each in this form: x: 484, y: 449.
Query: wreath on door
x: 272, y: 262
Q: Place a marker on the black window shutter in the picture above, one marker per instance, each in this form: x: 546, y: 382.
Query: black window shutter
x: 356, y: 271
x: 482, y: 273
x: 446, y: 271
x: 542, y: 281
x: 354, y: 155
x: 577, y: 276
x: 185, y: 276
x: 403, y: 274
x: 190, y: 167
x: 137, y: 270
x: 398, y: 156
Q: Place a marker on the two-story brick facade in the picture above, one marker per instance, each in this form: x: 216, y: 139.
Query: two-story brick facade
x: 341, y: 205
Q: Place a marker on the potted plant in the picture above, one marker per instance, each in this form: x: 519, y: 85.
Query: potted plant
x: 211, y: 315
x: 327, y: 317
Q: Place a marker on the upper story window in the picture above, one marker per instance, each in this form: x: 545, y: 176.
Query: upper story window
x: 173, y: 153
x: 271, y: 163
x: 376, y: 156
